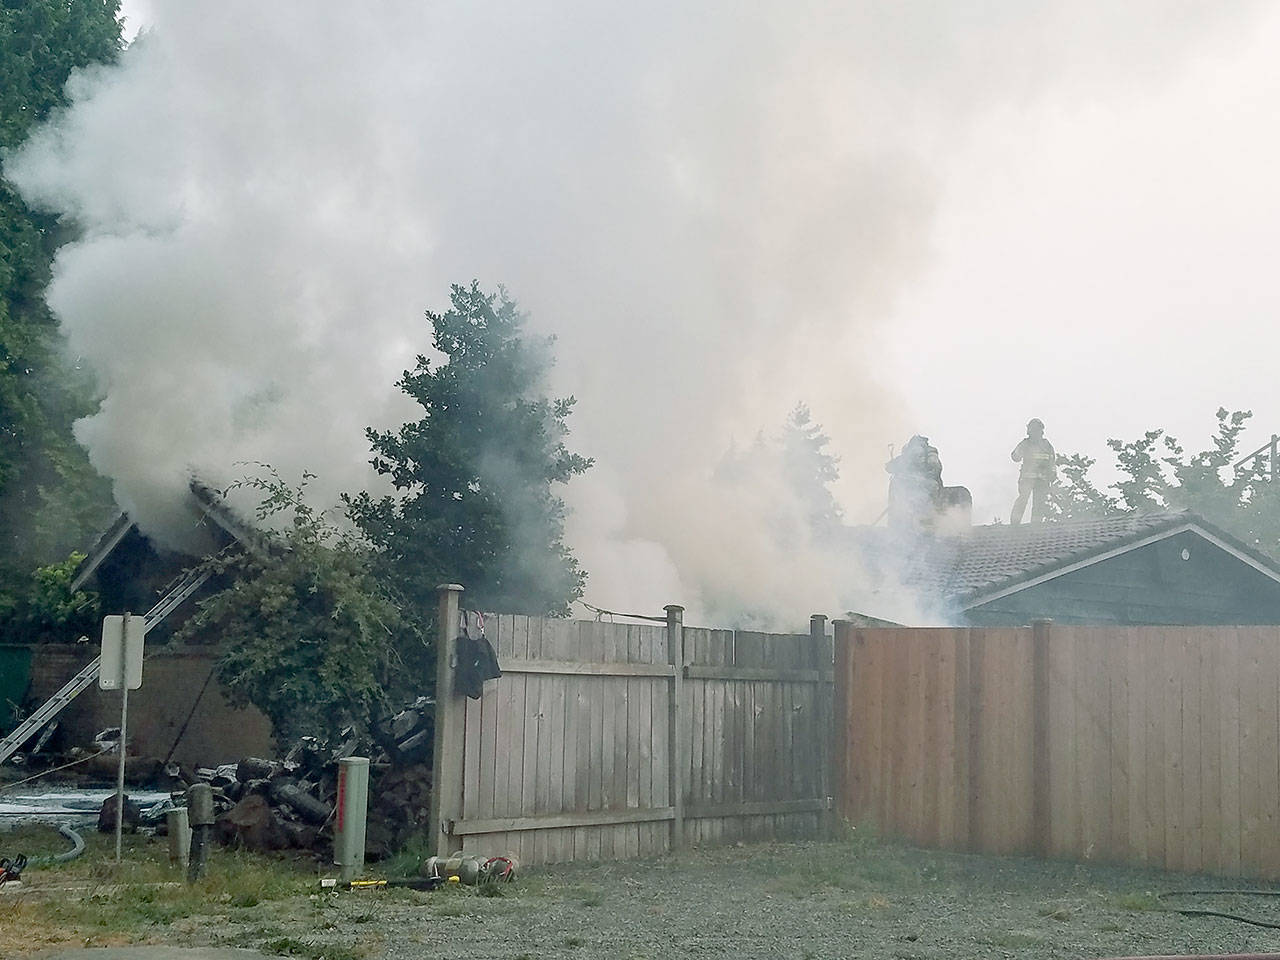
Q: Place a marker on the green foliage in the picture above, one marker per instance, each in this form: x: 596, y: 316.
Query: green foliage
x: 310, y: 635
x: 477, y: 474
x: 45, y: 610
x: 51, y: 500
x: 1158, y: 474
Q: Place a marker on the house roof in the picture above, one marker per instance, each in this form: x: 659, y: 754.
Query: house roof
x: 985, y: 562
x: 208, y: 502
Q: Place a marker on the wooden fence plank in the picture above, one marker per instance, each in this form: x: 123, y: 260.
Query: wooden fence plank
x: 960, y: 740
x: 632, y: 835
x: 1269, y: 752
x: 1136, y: 695
x: 1229, y: 757
x: 1190, y: 815
x: 1156, y: 758
x: 1250, y: 758
x: 1210, y: 752
x: 1061, y: 740
x: 1093, y: 756
x: 1116, y: 652
x: 1171, y: 644
x: 912, y: 742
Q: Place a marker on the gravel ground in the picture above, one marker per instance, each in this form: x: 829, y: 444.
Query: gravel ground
x: 801, y: 900
x: 797, y: 901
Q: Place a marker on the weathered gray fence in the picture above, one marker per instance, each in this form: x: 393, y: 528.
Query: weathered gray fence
x: 614, y: 740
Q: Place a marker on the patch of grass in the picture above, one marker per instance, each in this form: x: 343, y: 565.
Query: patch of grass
x: 293, y: 947
x: 407, y: 862
x: 95, y: 901
x: 574, y: 941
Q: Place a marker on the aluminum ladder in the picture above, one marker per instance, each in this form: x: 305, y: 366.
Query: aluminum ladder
x: 29, y: 727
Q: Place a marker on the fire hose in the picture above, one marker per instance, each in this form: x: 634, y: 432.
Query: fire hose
x: 1201, y: 912
x: 11, y: 868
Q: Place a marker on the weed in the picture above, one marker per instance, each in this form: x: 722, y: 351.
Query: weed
x: 408, y: 861
x: 573, y: 941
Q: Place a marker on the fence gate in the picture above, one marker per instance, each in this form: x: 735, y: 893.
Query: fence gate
x: 615, y: 740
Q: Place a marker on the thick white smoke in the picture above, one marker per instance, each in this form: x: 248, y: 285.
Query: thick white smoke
x: 711, y: 205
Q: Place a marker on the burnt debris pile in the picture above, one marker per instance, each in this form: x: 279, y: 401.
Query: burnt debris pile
x: 288, y: 803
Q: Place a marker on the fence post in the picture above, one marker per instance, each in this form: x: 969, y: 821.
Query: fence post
x: 676, y: 721
x: 1041, y: 787
x: 447, y: 758
x: 820, y: 661
x: 842, y: 654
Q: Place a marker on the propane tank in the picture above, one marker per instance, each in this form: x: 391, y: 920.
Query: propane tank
x: 469, y: 869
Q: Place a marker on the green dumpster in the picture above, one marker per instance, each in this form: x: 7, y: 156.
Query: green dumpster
x: 15, y: 679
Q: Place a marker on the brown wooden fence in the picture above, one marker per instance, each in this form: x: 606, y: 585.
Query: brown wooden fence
x: 616, y: 740
x: 1147, y: 745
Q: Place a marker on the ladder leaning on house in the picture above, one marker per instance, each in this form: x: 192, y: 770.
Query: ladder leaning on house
x: 29, y: 727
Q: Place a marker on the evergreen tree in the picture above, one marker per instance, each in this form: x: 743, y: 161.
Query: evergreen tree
x: 477, y: 475
x: 811, y: 469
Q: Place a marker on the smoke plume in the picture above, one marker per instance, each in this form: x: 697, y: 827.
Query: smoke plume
x: 712, y: 206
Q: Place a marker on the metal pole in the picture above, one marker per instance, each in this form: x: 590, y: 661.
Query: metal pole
x: 124, y: 729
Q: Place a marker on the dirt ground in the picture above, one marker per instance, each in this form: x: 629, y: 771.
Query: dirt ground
x: 804, y: 900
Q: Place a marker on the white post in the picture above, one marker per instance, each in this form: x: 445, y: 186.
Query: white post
x: 179, y: 837
x: 124, y: 731
x: 352, y: 813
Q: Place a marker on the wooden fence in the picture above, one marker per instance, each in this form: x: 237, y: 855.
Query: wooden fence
x: 1157, y: 746
x: 613, y: 740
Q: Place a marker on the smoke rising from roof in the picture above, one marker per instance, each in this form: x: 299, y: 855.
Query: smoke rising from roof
x: 712, y: 207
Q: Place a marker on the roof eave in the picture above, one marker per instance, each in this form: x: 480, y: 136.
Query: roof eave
x: 1219, y: 538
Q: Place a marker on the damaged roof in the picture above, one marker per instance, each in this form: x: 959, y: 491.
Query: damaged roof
x: 208, y: 503
x: 983, y: 562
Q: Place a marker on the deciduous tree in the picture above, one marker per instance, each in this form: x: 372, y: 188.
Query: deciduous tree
x: 1157, y: 473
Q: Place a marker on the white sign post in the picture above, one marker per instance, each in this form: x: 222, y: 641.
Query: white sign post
x: 121, y: 669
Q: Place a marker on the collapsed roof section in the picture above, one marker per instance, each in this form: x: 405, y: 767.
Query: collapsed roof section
x: 210, y: 512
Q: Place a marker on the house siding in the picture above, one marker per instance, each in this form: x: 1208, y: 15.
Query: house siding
x: 1148, y: 585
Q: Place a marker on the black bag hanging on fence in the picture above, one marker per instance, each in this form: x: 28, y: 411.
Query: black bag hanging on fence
x: 476, y: 663
x: 476, y: 660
